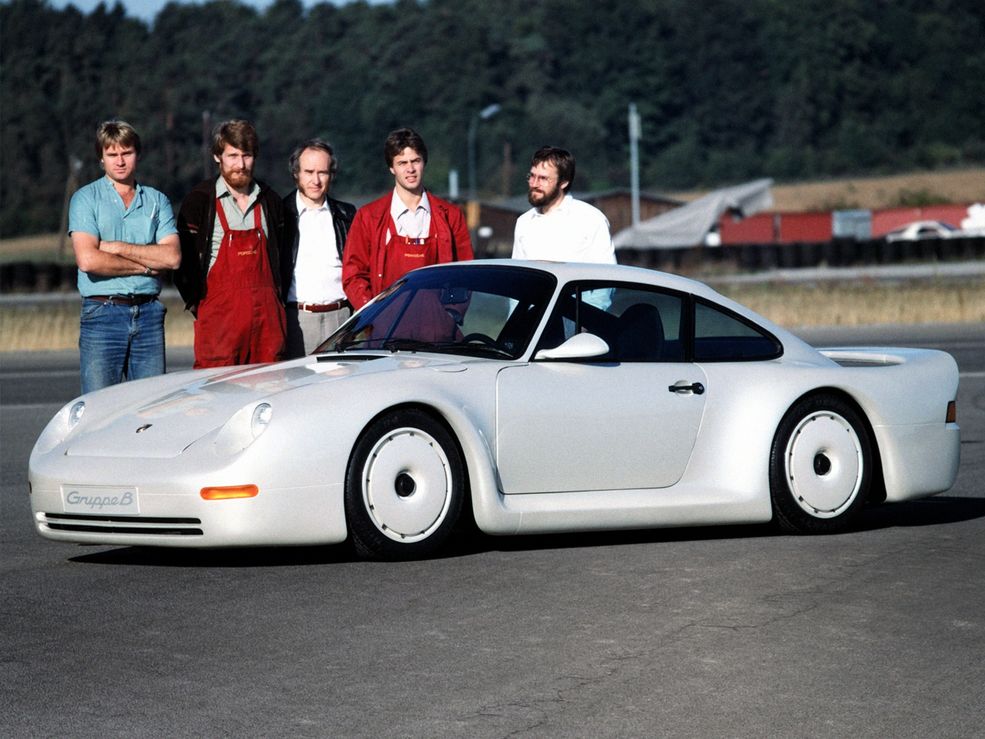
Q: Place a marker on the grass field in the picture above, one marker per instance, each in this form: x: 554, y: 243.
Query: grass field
x: 38, y: 248
x: 865, y: 302
x: 48, y: 326
x: 55, y: 325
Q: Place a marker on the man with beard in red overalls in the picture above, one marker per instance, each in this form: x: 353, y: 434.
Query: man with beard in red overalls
x: 403, y: 230
x: 230, y: 230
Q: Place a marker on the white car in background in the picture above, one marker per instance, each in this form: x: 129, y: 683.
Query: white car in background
x: 524, y: 397
x: 920, y: 230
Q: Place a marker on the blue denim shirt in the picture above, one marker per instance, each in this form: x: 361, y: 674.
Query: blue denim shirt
x: 97, y: 209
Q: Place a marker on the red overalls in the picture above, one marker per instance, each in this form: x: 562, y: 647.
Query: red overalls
x: 241, y: 320
x: 404, y: 253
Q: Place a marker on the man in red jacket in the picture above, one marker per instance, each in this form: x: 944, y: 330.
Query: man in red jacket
x: 403, y: 230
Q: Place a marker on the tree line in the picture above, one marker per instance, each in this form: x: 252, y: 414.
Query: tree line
x: 727, y: 90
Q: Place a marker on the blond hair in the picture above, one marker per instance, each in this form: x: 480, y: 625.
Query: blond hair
x: 116, y: 132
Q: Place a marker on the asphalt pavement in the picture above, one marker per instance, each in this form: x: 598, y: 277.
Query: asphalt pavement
x: 719, y: 632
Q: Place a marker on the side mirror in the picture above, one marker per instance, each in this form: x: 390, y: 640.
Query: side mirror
x: 579, y: 346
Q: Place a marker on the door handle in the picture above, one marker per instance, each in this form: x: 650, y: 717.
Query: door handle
x: 683, y: 387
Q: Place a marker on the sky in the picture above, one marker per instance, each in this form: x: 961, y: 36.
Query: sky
x: 147, y: 9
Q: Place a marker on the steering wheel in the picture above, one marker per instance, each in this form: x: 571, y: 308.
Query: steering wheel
x: 481, y: 338
x: 489, y: 342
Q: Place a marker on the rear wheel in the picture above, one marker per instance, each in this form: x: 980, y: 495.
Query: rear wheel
x: 820, y: 466
x: 404, y: 486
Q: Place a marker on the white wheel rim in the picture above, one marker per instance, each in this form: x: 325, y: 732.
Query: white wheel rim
x: 824, y: 464
x: 407, y: 485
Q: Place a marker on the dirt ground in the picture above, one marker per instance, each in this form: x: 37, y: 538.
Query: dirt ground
x: 923, y: 188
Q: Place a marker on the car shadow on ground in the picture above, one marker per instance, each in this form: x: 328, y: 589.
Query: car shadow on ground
x: 936, y: 511
x: 220, y: 558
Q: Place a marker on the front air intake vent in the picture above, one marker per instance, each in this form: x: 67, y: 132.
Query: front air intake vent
x: 143, y: 525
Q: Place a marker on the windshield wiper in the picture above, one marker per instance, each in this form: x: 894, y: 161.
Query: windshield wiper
x: 342, y: 344
x: 486, y: 350
x: 445, y: 347
x: 410, y: 345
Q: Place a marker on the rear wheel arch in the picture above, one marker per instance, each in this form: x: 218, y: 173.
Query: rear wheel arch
x: 838, y: 461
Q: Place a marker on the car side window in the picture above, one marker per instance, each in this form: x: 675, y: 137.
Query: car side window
x: 639, y: 324
x: 721, y: 336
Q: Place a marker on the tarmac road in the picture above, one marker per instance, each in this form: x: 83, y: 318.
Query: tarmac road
x: 693, y: 632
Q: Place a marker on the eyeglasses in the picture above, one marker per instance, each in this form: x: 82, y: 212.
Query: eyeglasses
x: 539, y: 179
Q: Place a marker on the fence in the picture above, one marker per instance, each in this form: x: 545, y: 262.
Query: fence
x: 29, y: 277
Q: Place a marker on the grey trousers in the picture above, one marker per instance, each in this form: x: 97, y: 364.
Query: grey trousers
x: 305, y: 331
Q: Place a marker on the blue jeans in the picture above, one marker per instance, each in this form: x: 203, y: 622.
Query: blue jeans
x: 120, y: 342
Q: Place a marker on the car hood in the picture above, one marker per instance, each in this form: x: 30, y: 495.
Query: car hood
x: 165, y: 423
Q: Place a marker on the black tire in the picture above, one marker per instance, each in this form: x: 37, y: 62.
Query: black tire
x: 404, y: 486
x: 821, y: 466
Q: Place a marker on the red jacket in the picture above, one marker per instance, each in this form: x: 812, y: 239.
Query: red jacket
x: 365, y: 256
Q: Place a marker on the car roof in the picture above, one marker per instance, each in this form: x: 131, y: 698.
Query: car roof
x: 568, y: 271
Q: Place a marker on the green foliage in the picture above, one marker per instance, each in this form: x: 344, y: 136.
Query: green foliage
x: 727, y: 89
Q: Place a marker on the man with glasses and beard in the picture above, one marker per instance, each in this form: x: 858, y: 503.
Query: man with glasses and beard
x: 559, y: 228
x: 231, y: 230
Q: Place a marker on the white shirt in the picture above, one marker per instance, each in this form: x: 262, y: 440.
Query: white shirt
x: 573, y: 231
x: 318, y: 271
x: 414, y: 224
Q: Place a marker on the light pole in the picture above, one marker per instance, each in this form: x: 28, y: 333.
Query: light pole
x: 635, y: 134
x: 483, y: 115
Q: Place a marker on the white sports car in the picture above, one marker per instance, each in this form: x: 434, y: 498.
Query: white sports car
x: 529, y: 397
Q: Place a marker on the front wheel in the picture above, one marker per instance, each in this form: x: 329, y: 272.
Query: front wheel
x: 404, y: 486
x: 820, y: 466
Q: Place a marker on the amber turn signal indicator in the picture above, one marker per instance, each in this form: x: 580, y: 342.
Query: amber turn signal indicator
x: 952, y: 412
x: 230, y: 491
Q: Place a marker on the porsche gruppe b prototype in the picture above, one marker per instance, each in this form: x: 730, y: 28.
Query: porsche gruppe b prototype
x: 530, y: 397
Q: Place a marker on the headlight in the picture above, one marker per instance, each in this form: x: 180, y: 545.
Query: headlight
x: 59, y: 427
x: 243, y: 428
x: 261, y: 418
x: 75, y: 413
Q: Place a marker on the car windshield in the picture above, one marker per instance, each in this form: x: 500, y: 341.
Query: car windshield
x: 481, y: 311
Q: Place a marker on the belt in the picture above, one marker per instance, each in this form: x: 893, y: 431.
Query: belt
x: 320, y: 307
x: 122, y: 299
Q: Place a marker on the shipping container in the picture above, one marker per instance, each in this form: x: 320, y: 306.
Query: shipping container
x: 798, y: 228
x: 757, y: 229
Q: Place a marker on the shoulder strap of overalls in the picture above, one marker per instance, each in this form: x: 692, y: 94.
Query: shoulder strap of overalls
x: 222, y: 215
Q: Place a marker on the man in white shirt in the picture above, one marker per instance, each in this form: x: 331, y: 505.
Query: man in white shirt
x: 559, y: 228
x: 311, y: 260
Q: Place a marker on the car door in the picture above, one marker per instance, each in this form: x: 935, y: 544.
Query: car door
x: 625, y: 420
